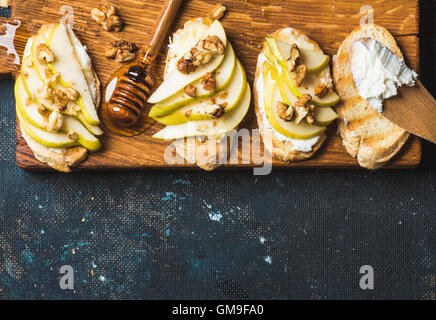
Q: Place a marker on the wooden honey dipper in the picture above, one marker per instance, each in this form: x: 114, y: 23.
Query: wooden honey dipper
x: 126, y: 93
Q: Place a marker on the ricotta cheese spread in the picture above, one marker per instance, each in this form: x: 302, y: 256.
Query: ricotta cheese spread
x: 303, y: 145
x: 378, y: 72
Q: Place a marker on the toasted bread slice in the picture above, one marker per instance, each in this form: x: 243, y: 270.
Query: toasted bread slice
x: 281, y: 148
x: 59, y: 159
x: 66, y: 158
x: 202, y: 152
x: 367, y: 135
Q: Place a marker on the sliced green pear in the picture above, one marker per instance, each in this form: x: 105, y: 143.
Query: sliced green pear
x: 28, y: 109
x: 48, y: 139
x: 289, y: 129
x: 314, y: 60
x: 177, y: 81
x: 288, y: 97
x: 230, y: 96
x: 324, y: 116
x: 223, y: 76
x: 269, y: 54
x: 308, y: 86
x: 209, y: 127
x: 33, y: 82
x: 69, y: 68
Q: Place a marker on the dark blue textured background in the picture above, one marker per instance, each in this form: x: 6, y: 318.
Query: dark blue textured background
x: 158, y: 234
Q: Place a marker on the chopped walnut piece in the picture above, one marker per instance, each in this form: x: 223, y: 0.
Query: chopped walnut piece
x: 202, y: 53
x: 44, y: 93
x: 301, y: 113
x: 216, y: 110
x: 294, y: 59
x: 191, y: 90
x: 223, y: 94
x: 44, y: 54
x: 188, y: 113
x: 42, y: 110
x: 284, y: 111
x: 303, y: 101
x: 185, y: 66
x: 303, y: 109
x: 300, y: 74
x: 125, y: 56
x: 72, y: 94
x: 208, y: 82
x: 107, y: 17
x: 60, y: 99
x: 310, y: 118
x: 321, y: 90
x: 111, y: 52
x: 73, y: 135
x: 55, y: 121
x: 217, y: 12
x: 121, y: 51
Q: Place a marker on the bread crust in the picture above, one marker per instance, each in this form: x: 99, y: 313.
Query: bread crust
x: 359, y: 124
x: 283, y: 150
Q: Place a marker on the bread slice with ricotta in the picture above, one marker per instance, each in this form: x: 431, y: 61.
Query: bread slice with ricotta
x: 63, y: 159
x: 281, y: 147
x: 367, y: 135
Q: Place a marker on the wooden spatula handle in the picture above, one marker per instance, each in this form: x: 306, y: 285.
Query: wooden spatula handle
x: 414, y: 110
x: 162, y: 26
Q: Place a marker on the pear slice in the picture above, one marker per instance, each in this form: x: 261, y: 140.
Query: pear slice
x: 315, y: 60
x: 177, y: 81
x: 60, y: 139
x: 209, y: 127
x: 289, y: 129
x: 325, y: 116
x: 32, y: 82
x: 269, y: 54
x: 230, y: 96
x: 48, y: 139
x: 308, y: 86
x: 67, y: 65
x: 223, y: 75
x: 28, y: 108
x: 29, y: 112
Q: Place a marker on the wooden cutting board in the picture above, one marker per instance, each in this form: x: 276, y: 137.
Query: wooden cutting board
x: 246, y: 23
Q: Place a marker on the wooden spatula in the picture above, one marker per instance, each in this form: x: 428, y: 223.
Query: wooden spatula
x: 413, y: 108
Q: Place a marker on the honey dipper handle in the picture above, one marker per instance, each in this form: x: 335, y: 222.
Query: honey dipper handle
x: 161, y: 28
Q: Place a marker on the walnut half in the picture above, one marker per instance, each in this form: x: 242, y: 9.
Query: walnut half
x: 294, y: 59
x: 202, y: 53
x: 44, y: 54
x: 217, y: 12
x: 285, y: 112
x: 208, y: 82
x: 121, y: 51
x: 55, y: 121
x: 321, y: 90
x: 107, y: 17
x: 300, y: 74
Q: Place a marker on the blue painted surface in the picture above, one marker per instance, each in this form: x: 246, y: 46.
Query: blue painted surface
x: 220, y: 235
